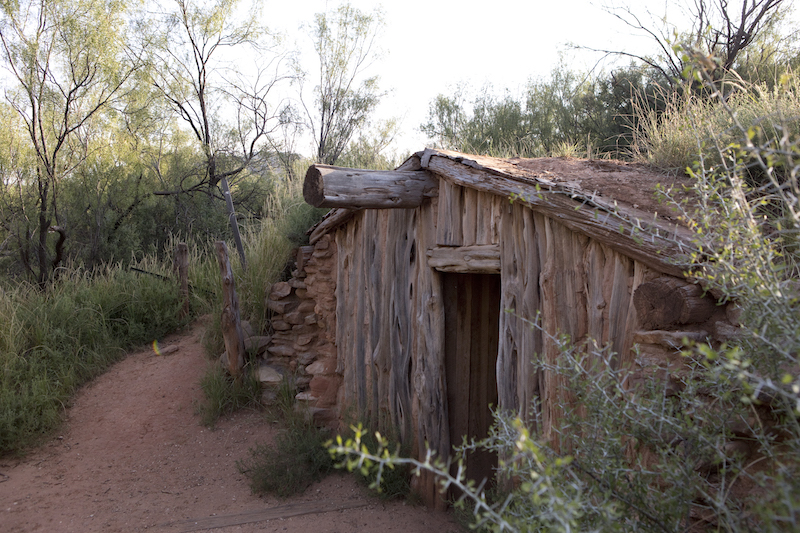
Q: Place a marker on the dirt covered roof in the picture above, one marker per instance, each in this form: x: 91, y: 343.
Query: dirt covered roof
x: 630, y: 184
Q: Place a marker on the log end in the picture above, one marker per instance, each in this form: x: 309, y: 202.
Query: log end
x: 312, y: 187
x: 665, y: 301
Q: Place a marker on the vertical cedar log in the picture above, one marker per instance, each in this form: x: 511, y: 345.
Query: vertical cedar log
x: 626, y: 354
x: 450, y: 215
x: 399, y: 324
x: 182, y: 269
x: 429, y: 366
x: 531, y: 340
x: 469, y: 216
x: 231, y: 322
x: 564, y: 312
x: 511, y: 326
x: 618, y: 305
x: 595, y: 266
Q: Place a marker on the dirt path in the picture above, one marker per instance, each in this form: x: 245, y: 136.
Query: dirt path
x: 132, y: 456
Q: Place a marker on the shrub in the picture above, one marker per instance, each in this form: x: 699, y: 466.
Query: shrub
x: 693, y: 123
x: 298, y: 456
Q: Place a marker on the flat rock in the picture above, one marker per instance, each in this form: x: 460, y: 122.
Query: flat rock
x: 256, y: 343
x: 268, y: 375
x: 280, y: 290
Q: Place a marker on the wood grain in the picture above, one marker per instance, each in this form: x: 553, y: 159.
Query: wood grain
x: 328, y: 186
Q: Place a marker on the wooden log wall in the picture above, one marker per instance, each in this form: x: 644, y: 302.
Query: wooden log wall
x: 390, y: 332
x: 376, y: 263
x: 581, y: 287
x: 390, y: 349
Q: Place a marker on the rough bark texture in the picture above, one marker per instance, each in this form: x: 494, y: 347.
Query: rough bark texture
x: 477, y: 259
x: 667, y: 300
x: 327, y: 186
x: 613, y: 224
x: 231, y: 322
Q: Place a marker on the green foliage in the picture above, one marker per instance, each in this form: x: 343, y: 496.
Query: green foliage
x: 344, y: 41
x: 297, y: 458
x: 369, y: 150
x: 754, y: 38
x: 394, y: 482
x: 692, y: 125
x: 589, y: 113
x: 54, y: 342
x: 70, y: 64
x: 268, y: 246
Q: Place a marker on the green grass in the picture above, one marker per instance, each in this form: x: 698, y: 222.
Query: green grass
x: 690, y: 124
x: 298, y: 456
x: 224, y: 395
x: 53, y: 342
x: 268, y: 244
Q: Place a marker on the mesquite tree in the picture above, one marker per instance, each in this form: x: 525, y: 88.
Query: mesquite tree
x: 344, y: 41
x: 721, y: 33
x: 70, y: 64
x: 197, y: 66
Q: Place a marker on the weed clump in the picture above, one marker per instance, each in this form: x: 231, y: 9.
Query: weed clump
x: 224, y: 394
x: 296, y: 459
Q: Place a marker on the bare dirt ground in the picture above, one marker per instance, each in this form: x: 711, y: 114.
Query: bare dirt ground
x: 132, y: 456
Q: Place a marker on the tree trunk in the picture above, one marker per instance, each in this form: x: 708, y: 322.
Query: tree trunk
x: 182, y: 269
x: 237, y: 239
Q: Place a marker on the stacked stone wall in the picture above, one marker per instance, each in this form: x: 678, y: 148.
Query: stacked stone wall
x: 304, y: 326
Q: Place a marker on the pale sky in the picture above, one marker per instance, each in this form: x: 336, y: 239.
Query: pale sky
x: 433, y: 45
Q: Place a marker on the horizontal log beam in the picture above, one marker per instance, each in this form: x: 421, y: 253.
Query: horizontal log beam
x: 476, y: 259
x: 667, y: 300
x: 669, y: 339
x: 327, y: 186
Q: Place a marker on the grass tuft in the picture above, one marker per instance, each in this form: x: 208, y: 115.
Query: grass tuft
x: 691, y: 124
x: 298, y: 456
x: 224, y: 395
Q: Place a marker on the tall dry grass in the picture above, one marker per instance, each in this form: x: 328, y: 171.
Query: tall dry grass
x: 692, y: 123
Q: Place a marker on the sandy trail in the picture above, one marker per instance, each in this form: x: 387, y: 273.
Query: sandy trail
x: 132, y: 456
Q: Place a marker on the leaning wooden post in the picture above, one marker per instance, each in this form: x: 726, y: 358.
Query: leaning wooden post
x: 231, y: 323
x: 182, y: 269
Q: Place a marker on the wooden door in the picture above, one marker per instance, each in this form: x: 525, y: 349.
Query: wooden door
x: 472, y: 325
